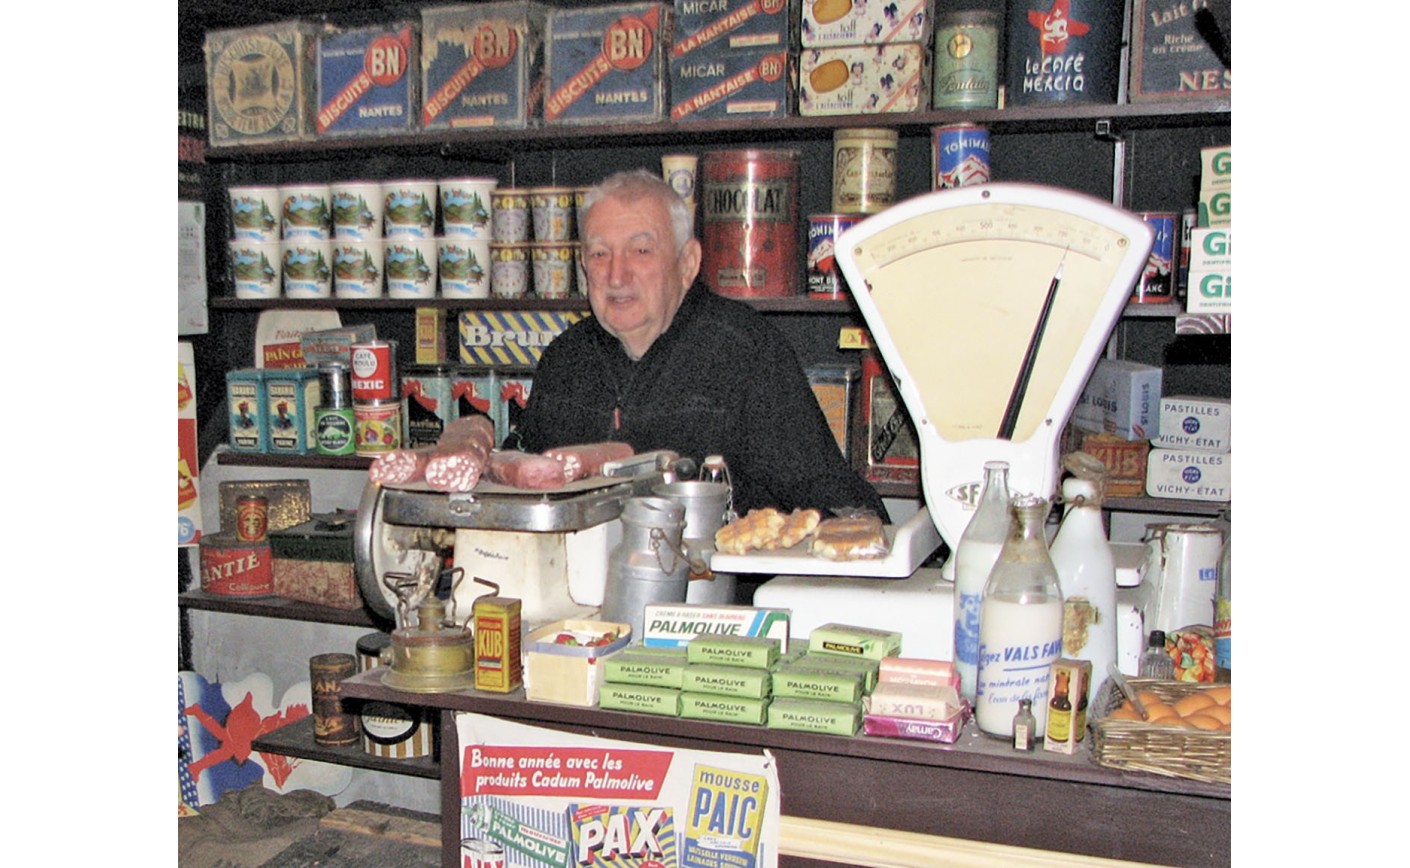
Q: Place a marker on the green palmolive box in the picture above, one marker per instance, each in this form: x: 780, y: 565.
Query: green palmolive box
x: 796, y: 682
x: 640, y: 697
x: 855, y: 641
x: 729, y: 709
x: 815, y: 715
x: 725, y: 680
x: 630, y: 667
x: 748, y: 651
x: 825, y: 661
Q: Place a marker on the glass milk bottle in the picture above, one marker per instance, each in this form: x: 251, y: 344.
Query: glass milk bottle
x: 975, y: 555
x: 1081, y: 554
x: 1020, y: 624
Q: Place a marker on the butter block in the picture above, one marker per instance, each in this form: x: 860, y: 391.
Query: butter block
x: 855, y: 641
x: 729, y: 709
x: 725, y: 680
x: 813, y: 715
x: 748, y: 651
x: 640, y: 698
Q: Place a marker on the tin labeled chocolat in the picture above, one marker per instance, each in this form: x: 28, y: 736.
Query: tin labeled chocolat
x: 863, y: 170
x: 750, y: 204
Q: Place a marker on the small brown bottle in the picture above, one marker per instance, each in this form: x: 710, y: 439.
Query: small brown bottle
x: 1024, y: 726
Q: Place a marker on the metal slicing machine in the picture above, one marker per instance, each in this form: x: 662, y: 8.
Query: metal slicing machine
x: 990, y: 306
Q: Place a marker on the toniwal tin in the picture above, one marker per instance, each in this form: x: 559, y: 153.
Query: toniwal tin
x: 608, y: 64
x: 368, y: 79
x: 482, y: 65
x: 959, y: 154
x: 261, y: 83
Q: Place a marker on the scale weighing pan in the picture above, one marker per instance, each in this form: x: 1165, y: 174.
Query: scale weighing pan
x: 990, y: 306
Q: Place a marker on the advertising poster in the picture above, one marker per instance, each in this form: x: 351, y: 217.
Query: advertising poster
x: 188, y: 505
x: 539, y: 798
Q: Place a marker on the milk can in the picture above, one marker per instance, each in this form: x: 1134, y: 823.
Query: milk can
x: 705, y: 504
x: 649, y: 565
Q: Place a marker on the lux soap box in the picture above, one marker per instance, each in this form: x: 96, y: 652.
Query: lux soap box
x: 1200, y: 424
x: 673, y: 625
x: 261, y: 83
x: 1121, y: 398
x: 482, y: 65
x: 863, y: 79
x: 1185, y: 474
x: 369, y: 79
x: 859, y: 22
x: 608, y: 64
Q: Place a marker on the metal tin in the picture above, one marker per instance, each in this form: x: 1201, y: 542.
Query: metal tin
x: 251, y: 518
x: 498, y: 644
x: 510, y: 275
x: 863, y: 170
x: 390, y: 730
x: 1067, y: 52
x: 374, y: 371
x: 233, y: 568
x: 824, y: 280
x: 292, y: 397
x: 427, y: 405
x: 512, y: 388
x: 1188, y: 219
x: 249, y: 427
x: 335, y: 431
x: 510, y: 222
x: 959, y: 155
x: 750, y: 207
x: 1157, y: 284
x: 966, y: 66
x: 334, y: 385
x: 553, y: 266
x: 377, y: 425
x: 472, y: 392
x: 332, y: 725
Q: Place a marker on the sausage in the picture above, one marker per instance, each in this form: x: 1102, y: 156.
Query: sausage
x: 399, y: 466
x: 525, y: 470
x: 459, y: 456
x: 586, y: 459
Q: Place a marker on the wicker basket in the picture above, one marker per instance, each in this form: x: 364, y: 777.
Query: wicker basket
x: 1161, y: 748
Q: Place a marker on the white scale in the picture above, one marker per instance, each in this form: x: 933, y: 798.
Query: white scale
x: 990, y: 306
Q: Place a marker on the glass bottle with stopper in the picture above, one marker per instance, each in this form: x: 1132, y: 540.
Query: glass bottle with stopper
x: 978, y: 550
x: 1086, y: 570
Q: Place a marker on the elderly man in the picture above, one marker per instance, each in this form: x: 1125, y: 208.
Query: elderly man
x: 665, y: 363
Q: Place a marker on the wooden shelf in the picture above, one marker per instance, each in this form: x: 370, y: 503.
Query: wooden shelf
x: 788, y: 304
x: 311, y: 461
x: 1210, y: 509
x: 296, y: 740
x: 277, y: 607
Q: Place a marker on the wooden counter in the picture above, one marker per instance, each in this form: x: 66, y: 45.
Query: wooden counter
x: 977, y: 789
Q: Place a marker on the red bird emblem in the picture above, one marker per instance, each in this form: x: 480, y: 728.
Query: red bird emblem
x: 1055, y: 26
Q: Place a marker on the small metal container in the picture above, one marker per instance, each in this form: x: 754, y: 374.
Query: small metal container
x: 863, y: 170
x: 432, y: 657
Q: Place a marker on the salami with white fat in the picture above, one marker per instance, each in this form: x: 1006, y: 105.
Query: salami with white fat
x: 400, y: 466
x: 460, y: 454
x: 582, y: 460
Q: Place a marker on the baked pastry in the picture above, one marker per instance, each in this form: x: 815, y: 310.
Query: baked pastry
x: 796, y: 527
x: 752, y: 531
x: 850, y: 538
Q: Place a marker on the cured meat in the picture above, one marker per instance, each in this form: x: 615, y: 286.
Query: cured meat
x: 399, y: 466
x: 525, y: 470
x: 475, y: 429
x: 582, y: 460
x: 459, y: 456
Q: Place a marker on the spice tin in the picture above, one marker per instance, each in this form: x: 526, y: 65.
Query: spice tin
x: 426, y: 404
x: 251, y: 518
x: 498, y: 641
x: 234, y: 568
x: 377, y: 426
x: 553, y: 264
x: 333, y: 725
x: 292, y: 397
x: 966, y: 65
x: 1068, y: 52
x: 750, y: 205
x: 374, y: 370
x: 1157, y: 284
x: 863, y: 170
x: 959, y: 155
x: 824, y: 280
x: 244, y: 391
x: 509, y: 269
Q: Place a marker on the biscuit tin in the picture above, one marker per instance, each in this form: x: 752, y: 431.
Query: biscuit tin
x: 733, y: 25
x: 859, y: 22
x: 368, y: 80
x: 481, y: 65
x: 260, y: 83
x: 863, y: 79
x: 608, y: 63
x: 749, y: 83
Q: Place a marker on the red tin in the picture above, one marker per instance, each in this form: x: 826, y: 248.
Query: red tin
x: 233, y: 568
x: 750, y: 206
x: 374, y: 371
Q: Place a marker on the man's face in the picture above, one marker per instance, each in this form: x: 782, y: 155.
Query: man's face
x: 635, y: 278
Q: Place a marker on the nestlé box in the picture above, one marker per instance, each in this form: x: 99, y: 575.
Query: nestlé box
x: 482, y: 65
x: 1170, y: 60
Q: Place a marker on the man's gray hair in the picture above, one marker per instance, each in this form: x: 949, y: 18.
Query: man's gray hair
x: 634, y: 184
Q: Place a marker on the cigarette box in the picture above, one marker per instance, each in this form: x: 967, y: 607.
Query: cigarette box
x: 1186, y: 474
x: 608, y: 64
x: 1122, y: 398
x: 369, y: 79
x: 863, y: 79
x: 482, y: 65
x: 261, y: 83
x: 858, y: 22
x: 1197, y: 424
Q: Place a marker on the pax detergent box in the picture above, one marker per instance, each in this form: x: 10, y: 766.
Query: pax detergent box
x: 482, y: 65
x: 608, y: 64
x: 260, y: 83
x: 1121, y: 398
x: 369, y: 79
x: 1201, y: 424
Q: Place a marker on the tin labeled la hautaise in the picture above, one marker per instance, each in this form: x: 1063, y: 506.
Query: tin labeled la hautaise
x: 750, y: 204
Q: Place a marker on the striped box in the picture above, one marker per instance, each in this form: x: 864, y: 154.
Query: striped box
x: 510, y: 337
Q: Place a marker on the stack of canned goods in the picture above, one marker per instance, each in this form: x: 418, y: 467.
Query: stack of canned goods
x: 376, y: 397
x: 534, y: 247
x: 863, y: 183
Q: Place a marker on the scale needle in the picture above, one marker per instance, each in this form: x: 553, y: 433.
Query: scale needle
x: 1020, y: 386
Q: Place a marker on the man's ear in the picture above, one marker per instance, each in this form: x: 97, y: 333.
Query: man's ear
x: 689, y: 263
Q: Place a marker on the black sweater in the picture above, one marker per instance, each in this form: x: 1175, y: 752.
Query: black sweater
x: 722, y: 380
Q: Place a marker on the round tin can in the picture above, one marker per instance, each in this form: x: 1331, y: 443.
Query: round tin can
x: 863, y: 170
x: 332, y: 724
x: 824, y: 280
x: 959, y: 155
x: 427, y: 406
x: 551, y: 209
x: 509, y: 270
x: 966, y: 68
x: 334, y: 385
x: 251, y: 518
x: 409, y: 208
x: 553, y: 264
x: 377, y: 425
x: 467, y: 206
x: 750, y: 206
x: 409, y: 266
x: 1062, y: 53
x: 509, y: 216
x: 335, y: 430
x: 1157, y: 283
x: 374, y: 371
x: 233, y: 568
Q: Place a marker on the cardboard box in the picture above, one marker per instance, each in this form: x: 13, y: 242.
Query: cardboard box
x: 1199, y: 424
x: 334, y: 345
x: 1216, y: 208
x: 1170, y: 60
x: 673, y: 625
x: 313, y: 562
x: 1210, y: 282
x: 1186, y: 474
x: 1216, y: 168
x: 1068, y: 682
x: 1210, y: 292
x: 608, y: 64
x: 1122, y: 398
x: 1211, y: 248
x: 863, y: 79
x: 510, y: 337
x: 1125, y: 462
x: 482, y: 65
x: 892, y: 450
x: 261, y: 83
x: 858, y: 22
x: 719, y: 83
x: 733, y: 25
x: 566, y: 673
x: 369, y: 80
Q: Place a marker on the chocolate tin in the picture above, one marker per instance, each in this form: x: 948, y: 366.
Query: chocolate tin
x: 750, y: 204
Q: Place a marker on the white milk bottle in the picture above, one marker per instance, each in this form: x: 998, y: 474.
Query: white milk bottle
x: 978, y: 549
x: 1020, y: 624
x: 1081, y: 554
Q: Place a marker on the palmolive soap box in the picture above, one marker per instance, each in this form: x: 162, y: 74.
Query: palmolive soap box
x: 608, y: 64
x: 1201, y: 424
x: 863, y: 79
x: 1121, y: 398
x: 369, y: 79
x: 482, y: 65
x: 261, y: 84
x: 749, y: 83
x: 865, y: 22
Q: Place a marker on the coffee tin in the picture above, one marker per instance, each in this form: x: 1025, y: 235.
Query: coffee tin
x: 863, y: 170
x: 966, y: 60
x: 231, y: 567
x: 251, y: 518
x: 377, y: 425
x: 1157, y: 284
x: 335, y: 430
x: 427, y: 404
x: 374, y: 371
x: 824, y: 280
x: 750, y: 205
x: 959, y: 154
x: 1063, y: 53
